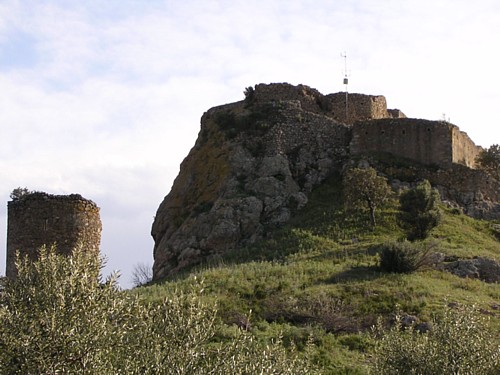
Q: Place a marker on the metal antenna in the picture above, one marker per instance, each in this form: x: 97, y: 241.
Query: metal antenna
x: 346, y: 82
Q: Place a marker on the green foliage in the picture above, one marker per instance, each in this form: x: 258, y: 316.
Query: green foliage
x: 459, y: 342
x: 56, y: 316
x: 489, y: 160
x: 59, y: 317
x: 19, y: 192
x: 403, y: 257
x: 419, y: 211
x: 364, y: 188
x: 319, y: 278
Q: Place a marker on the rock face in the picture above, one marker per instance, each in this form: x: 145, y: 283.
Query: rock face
x: 252, y: 167
x: 478, y: 268
x: 256, y: 161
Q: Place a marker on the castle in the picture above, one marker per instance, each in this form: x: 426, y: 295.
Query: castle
x: 378, y: 129
x: 38, y: 219
x: 257, y: 161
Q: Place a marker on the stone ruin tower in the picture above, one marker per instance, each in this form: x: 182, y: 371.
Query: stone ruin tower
x: 38, y: 219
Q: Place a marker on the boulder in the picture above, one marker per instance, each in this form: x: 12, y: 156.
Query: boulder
x: 482, y: 268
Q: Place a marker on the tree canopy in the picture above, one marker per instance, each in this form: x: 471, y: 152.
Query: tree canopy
x: 364, y: 188
x: 489, y: 160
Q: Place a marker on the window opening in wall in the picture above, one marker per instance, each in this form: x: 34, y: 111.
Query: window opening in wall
x: 428, y: 129
x: 404, y: 132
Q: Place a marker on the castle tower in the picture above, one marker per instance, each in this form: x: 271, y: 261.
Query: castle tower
x: 38, y: 219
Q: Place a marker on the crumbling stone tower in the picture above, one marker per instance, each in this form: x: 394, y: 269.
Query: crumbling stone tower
x: 38, y: 219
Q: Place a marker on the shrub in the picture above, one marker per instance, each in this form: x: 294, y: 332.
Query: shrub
x: 19, y: 193
x: 419, y: 211
x: 142, y: 274
x: 249, y: 95
x: 459, y: 343
x: 58, y: 316
x: 403, y: 257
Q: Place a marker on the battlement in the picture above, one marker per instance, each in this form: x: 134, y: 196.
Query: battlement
x: 38, y: 219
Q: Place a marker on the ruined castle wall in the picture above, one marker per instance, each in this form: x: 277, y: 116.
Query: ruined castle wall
x: 41, y: 219
x: 308, y: 97
x: 298, y: 128
x: 360, y: 107
x: 427, y: 142
x: 464, y: 150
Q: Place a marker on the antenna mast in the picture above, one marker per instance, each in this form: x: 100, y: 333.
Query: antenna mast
x: 346, y: 82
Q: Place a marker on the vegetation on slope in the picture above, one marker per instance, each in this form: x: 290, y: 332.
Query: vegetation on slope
x: 319, y: 278
x: 58, y: 317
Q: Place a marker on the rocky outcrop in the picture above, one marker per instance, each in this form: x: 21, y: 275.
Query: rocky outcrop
x: 481, y: 268
x: 254, y: 164
x: 256, y: 161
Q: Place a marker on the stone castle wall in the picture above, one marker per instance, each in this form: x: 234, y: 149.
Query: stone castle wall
x: 39, y: 219
x: 464, y: 150
x: 308, y: 97
x: 424, y: 141
x: 428, y: 142
x: 376, y: 128
x: 360, y: 107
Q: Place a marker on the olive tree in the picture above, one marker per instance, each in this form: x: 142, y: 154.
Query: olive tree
x: 59, y: 317
x: 364, y: 188
x: 459, y: 342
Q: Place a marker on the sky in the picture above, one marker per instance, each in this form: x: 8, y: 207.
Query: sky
x: 104, y: 97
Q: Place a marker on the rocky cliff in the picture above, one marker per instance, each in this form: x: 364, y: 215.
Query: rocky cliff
x: 253, y: 165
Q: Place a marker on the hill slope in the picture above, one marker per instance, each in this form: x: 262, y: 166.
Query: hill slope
x: 319, y: 277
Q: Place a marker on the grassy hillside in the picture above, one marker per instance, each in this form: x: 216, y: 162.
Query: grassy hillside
x: 318, y: 279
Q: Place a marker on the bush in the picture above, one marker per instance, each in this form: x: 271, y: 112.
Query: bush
x: 142, y: 274
x: 459, y: 343
x: 19, y: 193
x: 419, y: 211
x: 403, y: 257
x: 58, y: 316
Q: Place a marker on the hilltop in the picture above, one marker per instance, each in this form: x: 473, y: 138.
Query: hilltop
x: 257, y: 161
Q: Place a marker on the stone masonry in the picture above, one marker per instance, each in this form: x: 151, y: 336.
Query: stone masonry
x: 428, y: 142
x: 39, y: 219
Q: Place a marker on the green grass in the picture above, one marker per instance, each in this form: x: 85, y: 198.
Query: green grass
x: 318, y: 279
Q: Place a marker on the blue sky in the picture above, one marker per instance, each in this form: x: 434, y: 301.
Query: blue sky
x: 104, y: 97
